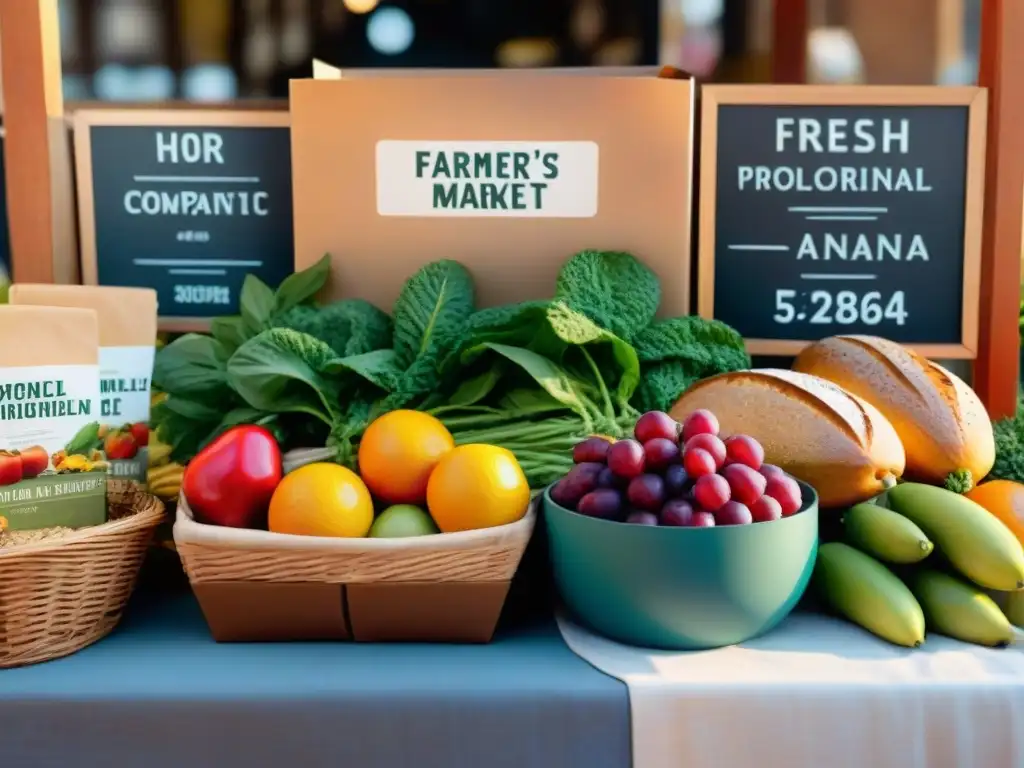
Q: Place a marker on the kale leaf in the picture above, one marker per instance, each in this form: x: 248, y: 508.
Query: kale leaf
x: 281, y: 370
x: 613, y: 289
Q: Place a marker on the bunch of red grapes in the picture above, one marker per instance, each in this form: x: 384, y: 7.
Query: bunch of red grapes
x: 676, y: 474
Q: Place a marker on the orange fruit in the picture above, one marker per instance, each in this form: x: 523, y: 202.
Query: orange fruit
x: 321, y: 500
x: 1004, y: 499
x: 477, y: 486
x: 398, y: 452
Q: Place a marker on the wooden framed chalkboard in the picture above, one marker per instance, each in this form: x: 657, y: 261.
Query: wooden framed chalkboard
x: 843, y: 209
x: 186, y: 202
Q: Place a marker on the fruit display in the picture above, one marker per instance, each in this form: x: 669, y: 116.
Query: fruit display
x: 677, y: 474
x: 839, y: 444
x: 944, y: 428
x: 922, y: 557
x: 413, y: 481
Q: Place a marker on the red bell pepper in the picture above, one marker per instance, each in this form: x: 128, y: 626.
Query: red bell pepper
x: 231, y: 480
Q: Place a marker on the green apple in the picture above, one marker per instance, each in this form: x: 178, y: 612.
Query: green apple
x: 402, y: 520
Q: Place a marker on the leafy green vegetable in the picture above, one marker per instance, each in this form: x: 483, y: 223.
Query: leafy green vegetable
x: 281, y: 370
x: 379, y: 367
x: 534, y: 377
x: 191, y: 365
x: 614, y: 290
x: 1009, y: 435
x: 230, y: 332
x: 256, y: 303
x: 300, y: 287
x: 348, y: 326
x: 677, y: 352
x: 432, y: 310
x: 579, y: 330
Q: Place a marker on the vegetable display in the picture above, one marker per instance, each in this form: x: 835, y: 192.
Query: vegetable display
x: 534, y: 377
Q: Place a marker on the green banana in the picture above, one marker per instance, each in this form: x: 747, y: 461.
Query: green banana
x: 885, y: 534
x: 960, y: 610
x: 861, y: 589
x: 976, y: 543
x: 1011, y: 604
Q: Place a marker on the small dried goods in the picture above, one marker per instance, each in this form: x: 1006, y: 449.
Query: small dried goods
x: 49, y: 396
x: 232, y: 480
x: 127, y: 329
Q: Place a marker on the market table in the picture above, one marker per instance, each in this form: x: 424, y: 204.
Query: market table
x: 160, y: 692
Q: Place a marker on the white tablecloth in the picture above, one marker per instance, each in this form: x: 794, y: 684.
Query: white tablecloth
x: 818, y: 693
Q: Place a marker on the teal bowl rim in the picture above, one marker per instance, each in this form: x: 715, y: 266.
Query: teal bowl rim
x: 809, y: 502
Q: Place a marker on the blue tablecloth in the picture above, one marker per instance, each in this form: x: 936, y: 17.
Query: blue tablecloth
x: 160, y: 693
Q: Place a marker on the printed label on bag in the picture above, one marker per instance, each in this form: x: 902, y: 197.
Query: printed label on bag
x: 528, y: 179
x: 50, y: 472
x: 125, y: 383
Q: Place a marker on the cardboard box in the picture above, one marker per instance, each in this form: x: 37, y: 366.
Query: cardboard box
x: 508, y: 172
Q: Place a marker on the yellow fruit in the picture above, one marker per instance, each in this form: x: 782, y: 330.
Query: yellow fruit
x: 321, y: 500
x: 398, y: 452
x: 477, y: 486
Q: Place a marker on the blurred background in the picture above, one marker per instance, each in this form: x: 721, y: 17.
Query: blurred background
x: 219, y: 50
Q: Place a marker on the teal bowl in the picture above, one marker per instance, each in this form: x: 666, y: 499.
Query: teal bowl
x: 681, y: 588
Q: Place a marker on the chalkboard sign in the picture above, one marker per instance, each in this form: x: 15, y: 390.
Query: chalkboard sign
x: 186, y: 202
x: 842, y: 210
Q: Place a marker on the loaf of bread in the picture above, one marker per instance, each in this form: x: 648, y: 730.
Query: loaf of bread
x: 814, y: 430
x: 941, y: 421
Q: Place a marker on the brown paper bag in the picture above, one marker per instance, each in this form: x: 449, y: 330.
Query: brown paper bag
x: 509, y: 173
x: 49, y: 394
x: 127, y: 338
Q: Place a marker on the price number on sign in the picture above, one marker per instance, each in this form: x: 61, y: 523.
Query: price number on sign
x: 201, y: 294
x: 845, y: 307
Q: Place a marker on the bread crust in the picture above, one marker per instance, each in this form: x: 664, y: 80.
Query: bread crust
x: 818, y: 432
x: 942, y: 423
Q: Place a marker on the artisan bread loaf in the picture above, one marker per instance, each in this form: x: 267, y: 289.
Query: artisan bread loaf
x: 814, y: 430
x: 941, y: 422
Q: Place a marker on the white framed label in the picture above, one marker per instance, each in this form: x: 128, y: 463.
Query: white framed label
x: 506, y: 179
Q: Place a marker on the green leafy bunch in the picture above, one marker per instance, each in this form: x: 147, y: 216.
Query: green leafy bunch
x: 534, y: 377
x: 1009, y: 437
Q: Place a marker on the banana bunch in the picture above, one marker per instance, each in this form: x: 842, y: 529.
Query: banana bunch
x: 921, y: 558
x: 163, y: 476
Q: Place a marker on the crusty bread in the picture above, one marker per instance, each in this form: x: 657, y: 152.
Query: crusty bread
x: 816, y: 431
x: 942, y: 423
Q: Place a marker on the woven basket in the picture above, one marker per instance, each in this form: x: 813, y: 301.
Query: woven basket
x: 257, y: 585
x: 67, y: 590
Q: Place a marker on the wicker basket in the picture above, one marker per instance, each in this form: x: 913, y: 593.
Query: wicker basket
x: 66, y: 590
x: 256, y: 585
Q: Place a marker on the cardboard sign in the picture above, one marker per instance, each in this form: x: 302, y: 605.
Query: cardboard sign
x: 186, y: 203
x: 510, y: 173
x: 853, y: 210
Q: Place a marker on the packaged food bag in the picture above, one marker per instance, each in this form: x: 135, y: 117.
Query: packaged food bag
x: 127, y: 345
x: 50, y: 473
